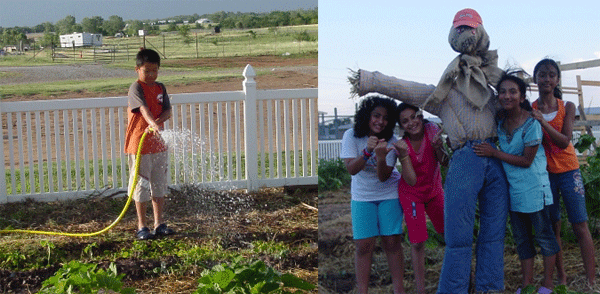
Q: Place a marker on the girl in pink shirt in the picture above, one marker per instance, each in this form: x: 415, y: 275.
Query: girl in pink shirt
x: 426, y: 152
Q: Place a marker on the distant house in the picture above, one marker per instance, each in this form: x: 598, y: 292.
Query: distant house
x: 10, y: 48
x: 16, y: 48
x: 80, y: 40
x: 203, y: 21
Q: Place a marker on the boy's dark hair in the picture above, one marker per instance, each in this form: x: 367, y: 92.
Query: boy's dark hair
x: 363, y: 116
x: 552, y: 63
x: 147, y: 56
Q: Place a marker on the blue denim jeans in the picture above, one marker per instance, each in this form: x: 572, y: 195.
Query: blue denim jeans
x: 569, y: 185
x: 472, y: 179
x: 522, y: 225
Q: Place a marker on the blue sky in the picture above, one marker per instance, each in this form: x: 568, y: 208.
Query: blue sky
x: 410, y: 40
x: 33, y: 12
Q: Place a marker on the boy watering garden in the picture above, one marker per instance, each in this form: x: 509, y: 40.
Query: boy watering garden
x: 148, y: 108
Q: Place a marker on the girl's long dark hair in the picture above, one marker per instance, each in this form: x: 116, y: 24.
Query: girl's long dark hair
x: 363, y: 116
x: 550, y: 62
x: 403, y: 106
x: 523, y: 86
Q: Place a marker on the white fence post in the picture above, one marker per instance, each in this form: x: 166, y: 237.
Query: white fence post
x: 3, y: 194
x: 250, y: 128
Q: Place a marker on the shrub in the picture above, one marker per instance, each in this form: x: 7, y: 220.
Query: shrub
x: 255, y: 277
x: 332, y: 174
x: 591, y: 178
x: 76, y: 277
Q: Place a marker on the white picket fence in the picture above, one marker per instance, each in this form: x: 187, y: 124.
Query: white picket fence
x: 330, y: 149
x: 249, y: 139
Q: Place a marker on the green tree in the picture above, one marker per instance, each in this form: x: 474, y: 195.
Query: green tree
x: 184, y: 32
x: 12, y: 37
x: 66, y: 25
x: 44, y: 27
x: 49, y: 39
x: 113, y: 25
x: 172, y: 27
x: 92, y: 25
x: 134, y: 27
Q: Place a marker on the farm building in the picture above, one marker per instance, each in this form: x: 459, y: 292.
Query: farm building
x: 203, y: 21
x: 80, y: 40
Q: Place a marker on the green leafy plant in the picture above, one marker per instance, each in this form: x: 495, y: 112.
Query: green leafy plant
x: 591, y: 178
x: 49, y: 246
x: 11, y: 259
x: 88, y: 250
x: 247, y: 278
x: 562, y: 289
x: 76, y: 277
x: 529, y: 289
x: 332, y: 174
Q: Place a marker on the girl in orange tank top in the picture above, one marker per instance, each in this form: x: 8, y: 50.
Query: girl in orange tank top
x: 556, y: 118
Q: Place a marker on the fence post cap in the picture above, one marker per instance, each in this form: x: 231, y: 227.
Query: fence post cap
x: 249, y: 72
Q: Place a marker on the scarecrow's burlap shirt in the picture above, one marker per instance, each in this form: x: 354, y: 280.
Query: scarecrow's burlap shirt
x: 461, y: 120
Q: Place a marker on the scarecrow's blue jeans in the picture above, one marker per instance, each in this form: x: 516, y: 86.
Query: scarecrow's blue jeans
x: 473, y: 179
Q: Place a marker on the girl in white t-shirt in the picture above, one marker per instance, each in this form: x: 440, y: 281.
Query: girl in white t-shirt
x: 367, y: 153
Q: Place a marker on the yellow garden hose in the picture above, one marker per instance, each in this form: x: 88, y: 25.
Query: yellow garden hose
x: 135, y: 180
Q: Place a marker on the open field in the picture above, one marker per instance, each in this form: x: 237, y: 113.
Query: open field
x: 276, y: 41
x: 179, y: 75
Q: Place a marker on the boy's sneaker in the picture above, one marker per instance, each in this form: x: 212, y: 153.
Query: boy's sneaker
x: 163, y: 230
x: 144, y: 234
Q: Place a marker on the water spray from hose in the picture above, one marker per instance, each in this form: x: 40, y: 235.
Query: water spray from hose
x: 114, y: 223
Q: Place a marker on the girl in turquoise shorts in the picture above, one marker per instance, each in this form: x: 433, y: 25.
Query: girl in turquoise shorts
x: 369, y: 156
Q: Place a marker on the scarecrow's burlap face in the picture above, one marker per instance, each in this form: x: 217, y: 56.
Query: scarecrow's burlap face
x: 469, y: 41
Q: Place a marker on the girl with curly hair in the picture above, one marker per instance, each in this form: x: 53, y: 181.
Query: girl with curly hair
x: 370, y: 157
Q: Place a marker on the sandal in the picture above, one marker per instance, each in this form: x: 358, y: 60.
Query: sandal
x: 544, y: 290
x: 163, y: 230
x: 144, y: 234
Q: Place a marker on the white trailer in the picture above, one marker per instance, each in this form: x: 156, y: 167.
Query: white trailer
x: 80, y: 40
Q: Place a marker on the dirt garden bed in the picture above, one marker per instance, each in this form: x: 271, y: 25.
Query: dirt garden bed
x: 231, y: 222
x: 336, y: 256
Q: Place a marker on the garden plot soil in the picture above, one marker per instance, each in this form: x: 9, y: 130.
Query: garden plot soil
x: 233, y: 219
x: 336, y: 257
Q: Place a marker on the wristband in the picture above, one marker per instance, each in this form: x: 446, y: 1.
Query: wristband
x: 366, y: 154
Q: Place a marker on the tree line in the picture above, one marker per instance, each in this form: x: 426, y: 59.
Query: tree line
x: 115, y: 24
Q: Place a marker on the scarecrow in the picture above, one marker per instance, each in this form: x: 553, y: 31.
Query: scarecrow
x: 466, y: 104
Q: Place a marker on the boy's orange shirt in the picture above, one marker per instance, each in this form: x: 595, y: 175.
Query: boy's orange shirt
x: 155, y: 97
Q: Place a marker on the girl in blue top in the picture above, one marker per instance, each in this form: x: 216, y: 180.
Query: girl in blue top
x: 524, y: 162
